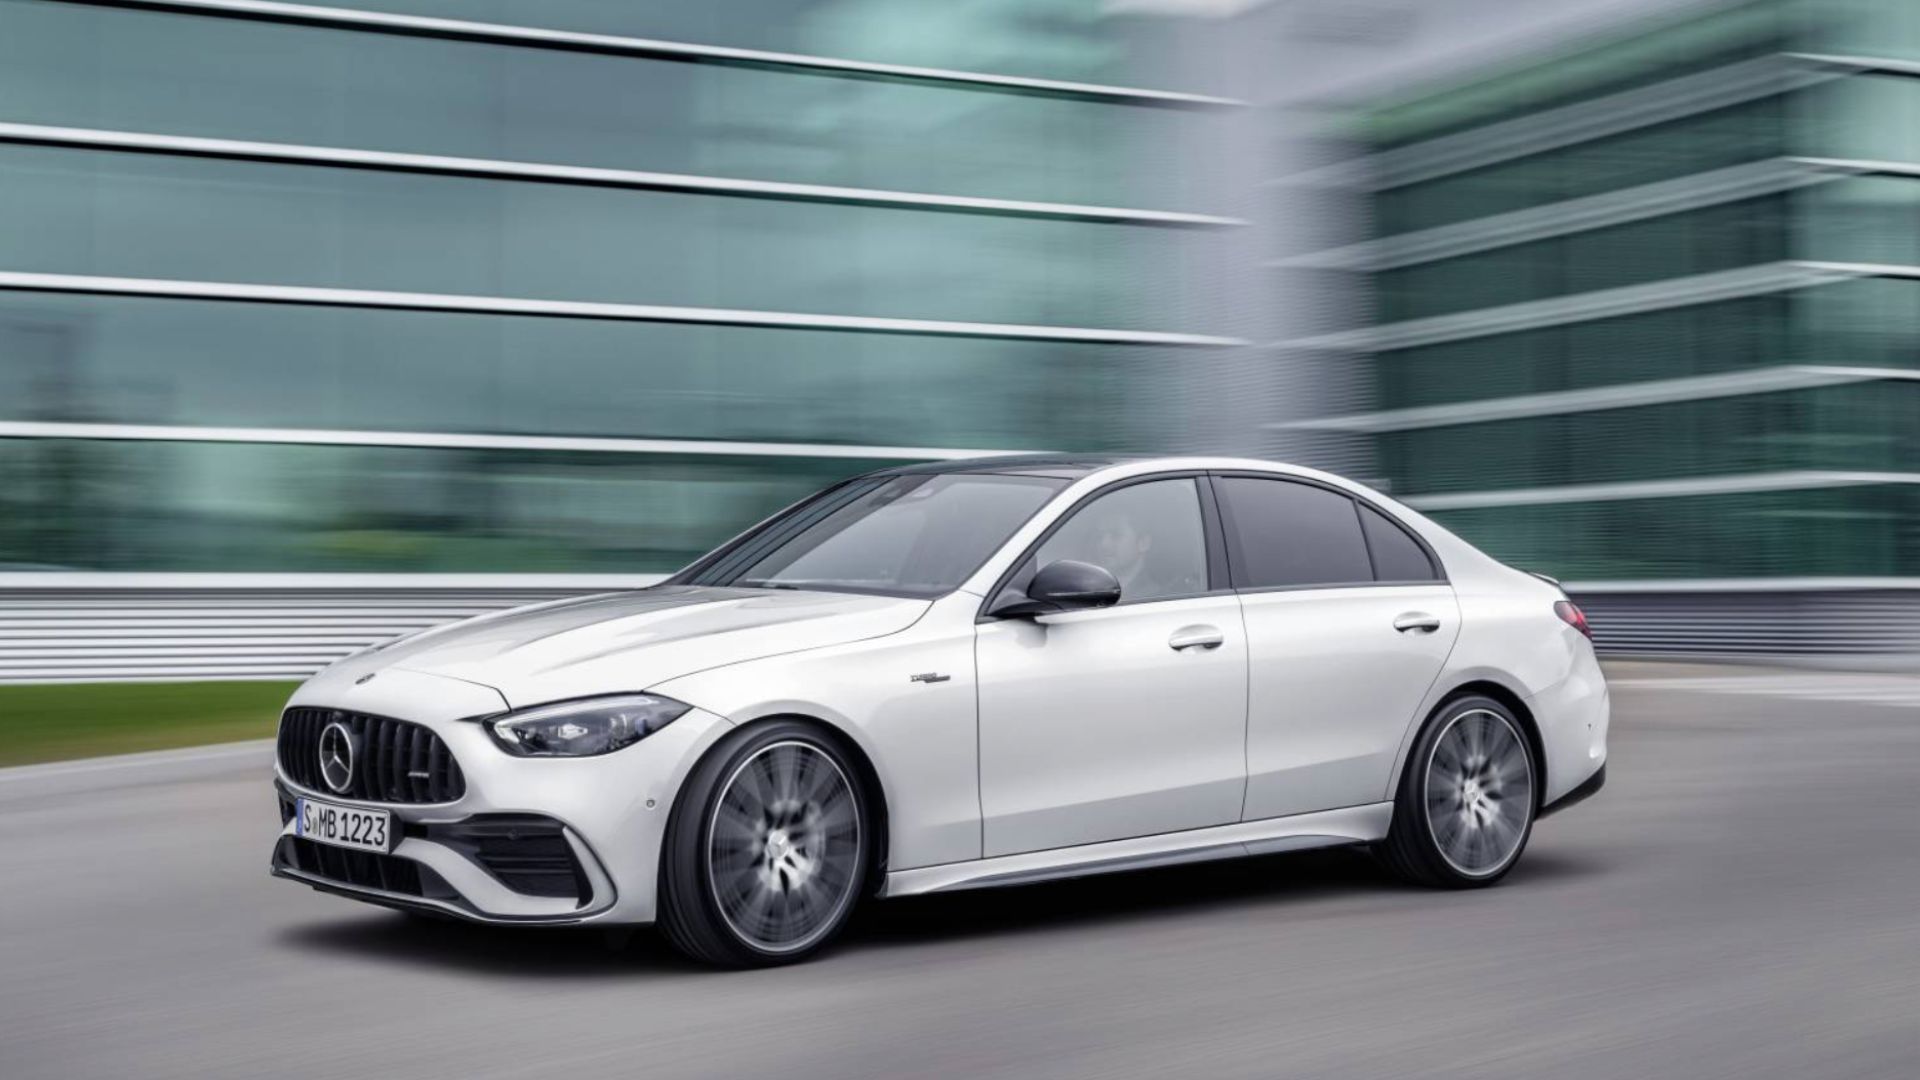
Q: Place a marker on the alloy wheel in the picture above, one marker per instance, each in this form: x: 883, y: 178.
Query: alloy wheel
x: 784, y: 846
x: 1479, y: 792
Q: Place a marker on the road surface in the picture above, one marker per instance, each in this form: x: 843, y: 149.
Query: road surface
x: 1742, y: 901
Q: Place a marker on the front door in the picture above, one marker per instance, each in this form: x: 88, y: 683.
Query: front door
x: 1122, y: 721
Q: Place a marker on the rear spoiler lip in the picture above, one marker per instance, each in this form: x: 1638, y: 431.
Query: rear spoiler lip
x: 1553, y: 581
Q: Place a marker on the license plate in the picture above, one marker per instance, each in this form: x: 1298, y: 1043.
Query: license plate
x: 343, y: 826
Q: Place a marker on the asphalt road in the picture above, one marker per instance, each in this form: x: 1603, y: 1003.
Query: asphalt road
x: 1742, y: 901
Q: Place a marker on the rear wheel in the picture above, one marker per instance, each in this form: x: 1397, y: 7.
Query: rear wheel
x: 767, y: 849
x: 1466, y: 802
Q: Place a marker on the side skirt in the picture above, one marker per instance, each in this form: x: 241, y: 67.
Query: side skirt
x: 1324, y: 828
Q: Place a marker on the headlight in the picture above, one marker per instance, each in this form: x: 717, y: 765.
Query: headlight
x: 584, y: 728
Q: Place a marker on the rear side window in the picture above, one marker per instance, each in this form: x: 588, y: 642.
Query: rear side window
x: 1286, y: 534
x: 1396, y: 555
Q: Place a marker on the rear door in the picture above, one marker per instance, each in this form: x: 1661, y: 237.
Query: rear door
x: 1348, y: 621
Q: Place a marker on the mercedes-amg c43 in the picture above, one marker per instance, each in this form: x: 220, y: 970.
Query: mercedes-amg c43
x: 948, y: 676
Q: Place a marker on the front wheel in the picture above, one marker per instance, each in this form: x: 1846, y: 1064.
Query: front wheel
x: 1466, y: 801
x: 767, y: 850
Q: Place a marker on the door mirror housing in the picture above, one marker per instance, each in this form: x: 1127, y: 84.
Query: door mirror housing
x: 1065, y: 585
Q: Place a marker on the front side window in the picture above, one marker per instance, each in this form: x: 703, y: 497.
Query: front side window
x: 905, y: 535
x: 1148, y: 536
x: 1282, y: 534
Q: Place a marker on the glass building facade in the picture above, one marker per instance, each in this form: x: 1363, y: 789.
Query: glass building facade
x: 1649, y: 309
x: 501, y: 286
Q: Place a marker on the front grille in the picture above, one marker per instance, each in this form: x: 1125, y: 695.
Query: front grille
x: 393, y: 761
x: 362, y: 869
x: 527, y: 853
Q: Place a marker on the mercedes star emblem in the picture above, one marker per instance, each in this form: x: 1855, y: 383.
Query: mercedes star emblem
x: 336, y: 757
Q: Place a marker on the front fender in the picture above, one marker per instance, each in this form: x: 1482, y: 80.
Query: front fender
x: 919, y: 734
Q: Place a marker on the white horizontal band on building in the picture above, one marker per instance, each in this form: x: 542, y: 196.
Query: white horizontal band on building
x: 647, y: 48
x: 1877, y: 65
x: 1720, y: 186
x: 1843, y: 167
x: 1601, y: 398
x: 587, y: 176
x: 37, y: 429
x: 1854, y: 269
x: 1735, y: 484
x: 1662, y: 197
x: 1655, y: 295
x: 1738, y: 585
x: 1567, y: 125
x: 310, y: 296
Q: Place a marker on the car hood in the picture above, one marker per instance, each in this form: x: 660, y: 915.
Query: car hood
x: 632, y: 640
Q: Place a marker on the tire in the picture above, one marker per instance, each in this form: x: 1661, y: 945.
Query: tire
x: 767, y: 849
x: 1467, y: 798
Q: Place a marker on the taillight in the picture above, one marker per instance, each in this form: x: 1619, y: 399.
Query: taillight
x: 1571, y: 614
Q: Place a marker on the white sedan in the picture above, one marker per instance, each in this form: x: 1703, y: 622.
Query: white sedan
x: 948, y: 676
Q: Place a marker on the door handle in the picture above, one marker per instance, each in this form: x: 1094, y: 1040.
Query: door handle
x: 1417, y: 622
x: 1195, y: 637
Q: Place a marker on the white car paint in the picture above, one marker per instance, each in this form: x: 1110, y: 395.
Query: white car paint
x: 1063, y: 744
x: 632, y: 640
x: 1320, y: 733
x: 1093, y: 728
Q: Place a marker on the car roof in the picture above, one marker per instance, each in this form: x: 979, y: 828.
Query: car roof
x: 1076, y: 466
x: 1064, y: 466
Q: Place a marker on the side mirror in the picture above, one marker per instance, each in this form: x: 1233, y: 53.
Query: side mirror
x: 1065, y: 585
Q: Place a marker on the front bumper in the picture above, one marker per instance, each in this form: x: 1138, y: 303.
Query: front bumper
x: 541, y: 841
x: 507, y: 868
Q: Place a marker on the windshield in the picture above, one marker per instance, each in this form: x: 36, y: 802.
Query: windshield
x: 915, y: 535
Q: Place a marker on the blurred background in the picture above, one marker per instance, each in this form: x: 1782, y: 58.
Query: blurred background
x: 321, y: 324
